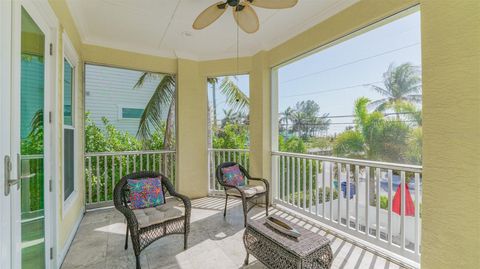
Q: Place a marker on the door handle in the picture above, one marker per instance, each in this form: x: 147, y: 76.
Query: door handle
x: 8, y: 171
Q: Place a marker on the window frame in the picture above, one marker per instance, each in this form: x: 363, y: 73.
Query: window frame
x: 120, y: 112
x: 70, y: 55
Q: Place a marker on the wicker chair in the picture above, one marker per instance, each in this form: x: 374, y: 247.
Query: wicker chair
x: 143, y: 231
x: 247, y: 193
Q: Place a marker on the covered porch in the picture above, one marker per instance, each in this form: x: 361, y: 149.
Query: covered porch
x: 375, y: 213
x: 215, y: 241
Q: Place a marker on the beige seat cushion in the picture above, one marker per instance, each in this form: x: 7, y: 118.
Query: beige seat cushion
x: 249, y: 190
x: 154, y: 215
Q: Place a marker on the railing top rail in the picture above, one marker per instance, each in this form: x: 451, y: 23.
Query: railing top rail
x: 117, y: 153
x: 238, y: 150
x: 384, y: 165
x: 32, y: 157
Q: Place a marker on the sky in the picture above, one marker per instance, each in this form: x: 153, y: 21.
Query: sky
x: 242, y: 82
x: 336, y: 76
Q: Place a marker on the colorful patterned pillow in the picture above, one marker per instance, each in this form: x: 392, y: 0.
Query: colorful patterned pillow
x: 233, y: 176
x: 145, y: 192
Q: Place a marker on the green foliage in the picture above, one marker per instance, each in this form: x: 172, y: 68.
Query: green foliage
x: 384, y: 202
x: 232, y: 136
x: 33, y: 143
x: 292, y: 144
x: 414, y: 146
x: 305, y: 118
x: 375, y: 137
x: 295, y: 196
x: 110, y: 139
x: 349, y: 144
x: 318, y: 142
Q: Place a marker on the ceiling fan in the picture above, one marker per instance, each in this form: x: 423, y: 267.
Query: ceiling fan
x: 244, y: 14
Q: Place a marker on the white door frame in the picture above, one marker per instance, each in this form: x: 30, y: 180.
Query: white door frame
x: 5, y: 86
x: 41, y: 13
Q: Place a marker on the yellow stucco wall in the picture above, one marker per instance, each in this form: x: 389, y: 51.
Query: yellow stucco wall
x: 125, y: 59
x: 191, y: 130
x: 451, y: 134
x: 67, y: 220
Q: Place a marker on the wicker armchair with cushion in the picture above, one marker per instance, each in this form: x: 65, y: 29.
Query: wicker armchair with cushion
x: 146, y: 225
x: 246, y: 192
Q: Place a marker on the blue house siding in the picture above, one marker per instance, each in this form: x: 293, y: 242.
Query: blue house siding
x: 109, y: 89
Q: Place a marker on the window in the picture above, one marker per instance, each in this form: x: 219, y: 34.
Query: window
x: 329, y: 98
x: 115, y: 100
x: 229, y: 112
x: 70, y: 64
x: 132, y: 113
x: 67, y: 92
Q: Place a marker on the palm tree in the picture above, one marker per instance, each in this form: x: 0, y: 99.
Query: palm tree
x: 163, y: 101
x: 401, y: 84
x: 286, y: 117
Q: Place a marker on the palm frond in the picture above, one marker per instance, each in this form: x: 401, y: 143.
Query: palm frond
x: 147, y: 76
x: 235, y: 97
x: 381, y: 90
x: 159, y: 103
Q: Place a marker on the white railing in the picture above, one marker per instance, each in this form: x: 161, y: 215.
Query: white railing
x: 310, y: 185
x: 218, y: 156
x: 104, y: 169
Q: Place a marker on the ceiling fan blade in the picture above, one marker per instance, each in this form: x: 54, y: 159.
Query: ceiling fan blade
x: 246, y: 18
x: 209, y: 15
x: 275, y: 4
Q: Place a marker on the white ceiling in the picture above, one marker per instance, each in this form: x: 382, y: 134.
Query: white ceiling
x: 164, y: 27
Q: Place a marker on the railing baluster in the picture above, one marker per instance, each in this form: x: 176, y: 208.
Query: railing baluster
x: 389, y: 235
x: 160, y: 163
x: 113, y: 174
x: 317, y: 198
x: 330, y: 164
x: 128, y: 164
x: 310, y: 191
x: 282, y: 168
x: 357, y: 193
x: 298, y: 183
x: 304, y: 184
x: 105, y: 176
x: 148, y: 162
x: 324, y: 194
x: 141, y: 162
x: 402, y: 218
x: 153, y: 161
x: 294, y: 181
x: 90, y: 173
x: 339, y: 191
x: 134, y: 163
x: 417, y: 214
x: 120, y: 168
x: 377, y: 199
x: 367, y: 200
x: 98, y: 179
x: 165, y: 164
x: 172, y: 169
x: 288, y: 179
x: 347, y: 191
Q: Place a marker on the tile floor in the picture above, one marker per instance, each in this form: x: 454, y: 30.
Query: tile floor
x: 214, y: 242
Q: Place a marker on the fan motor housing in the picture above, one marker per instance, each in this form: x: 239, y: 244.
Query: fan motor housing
x: 233, y: 3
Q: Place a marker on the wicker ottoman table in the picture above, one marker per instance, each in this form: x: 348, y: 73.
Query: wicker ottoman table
x: 276, y: 250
